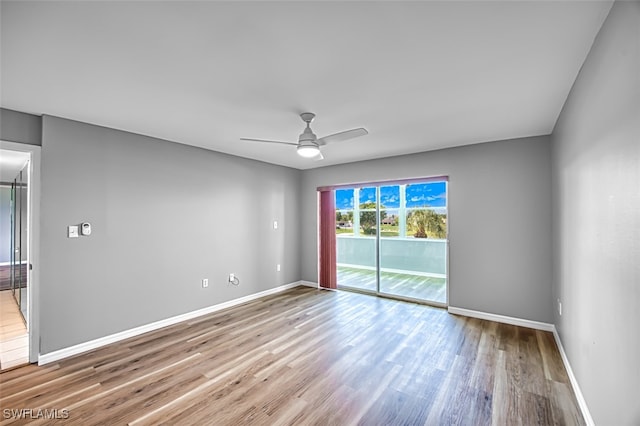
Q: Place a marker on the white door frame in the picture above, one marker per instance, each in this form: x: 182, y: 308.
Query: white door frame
x: 33, y: 249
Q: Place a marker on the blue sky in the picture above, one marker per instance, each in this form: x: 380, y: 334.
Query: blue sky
x: 432, y: 194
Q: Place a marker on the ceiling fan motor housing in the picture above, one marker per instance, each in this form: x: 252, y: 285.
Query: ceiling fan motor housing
x: 307, y: 137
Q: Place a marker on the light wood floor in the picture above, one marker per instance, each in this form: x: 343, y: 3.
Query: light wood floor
x: 310, y: 356
x: 14, y: 340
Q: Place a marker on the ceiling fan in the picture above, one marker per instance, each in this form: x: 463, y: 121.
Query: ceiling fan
x: 309, y: 144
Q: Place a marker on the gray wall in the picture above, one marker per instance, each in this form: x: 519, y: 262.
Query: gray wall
x: 20, y: 127
x: 596, y: 198
x: 499, y: 220
x: 164, y: 216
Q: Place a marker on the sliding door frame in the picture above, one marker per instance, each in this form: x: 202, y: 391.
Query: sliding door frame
x: 378, y: 229
x: 378, y: 185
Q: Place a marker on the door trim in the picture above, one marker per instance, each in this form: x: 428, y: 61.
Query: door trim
x: 33, y: 249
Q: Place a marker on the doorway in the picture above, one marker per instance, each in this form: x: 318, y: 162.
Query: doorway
x: 392, y: 239
x: 16, y: 254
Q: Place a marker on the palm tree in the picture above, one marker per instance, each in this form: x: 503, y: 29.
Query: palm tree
x: 427, y: 223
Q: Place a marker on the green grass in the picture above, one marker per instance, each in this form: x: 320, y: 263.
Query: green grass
x: 387, y: 231
x: 344, y: 231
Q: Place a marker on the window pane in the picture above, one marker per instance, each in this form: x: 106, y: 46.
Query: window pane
x: 432, y: 194
x: 427, y: 223
x: 368, y: 198
x: 389, y: 197
x: 344, y: 199
x: 344, y: 222
x: 368, y: 223
x: 389, y: 222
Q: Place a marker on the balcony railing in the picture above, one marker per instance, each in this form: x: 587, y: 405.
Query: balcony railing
x: 417, y: 256
x: 410, y: 267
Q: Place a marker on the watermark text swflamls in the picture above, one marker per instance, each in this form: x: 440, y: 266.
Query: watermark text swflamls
x: 35, y: 414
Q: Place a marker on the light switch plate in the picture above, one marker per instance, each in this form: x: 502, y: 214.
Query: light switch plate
x: 275, y: 224
x: 72, y: 231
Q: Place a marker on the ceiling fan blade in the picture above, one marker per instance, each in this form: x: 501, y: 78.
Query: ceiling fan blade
x: 318, y: 157
x: 265, y: 140
x: 343, y: 136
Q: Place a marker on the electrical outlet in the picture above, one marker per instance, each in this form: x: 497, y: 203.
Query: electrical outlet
x: 278, y: 267
x: 559, y: 307
x: 232, y: 277
x: 205, y: 282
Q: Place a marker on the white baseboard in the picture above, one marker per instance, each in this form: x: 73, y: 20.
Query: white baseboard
x: 112, y: 338
x: 316, y: 285
x: 502, y: 318
x: 582, y: 403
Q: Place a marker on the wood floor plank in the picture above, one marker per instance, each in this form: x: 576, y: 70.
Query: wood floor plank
x: 309, y: 357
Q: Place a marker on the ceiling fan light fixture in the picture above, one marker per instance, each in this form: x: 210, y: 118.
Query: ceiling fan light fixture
x: 309, y: 144
x: 308, y: 151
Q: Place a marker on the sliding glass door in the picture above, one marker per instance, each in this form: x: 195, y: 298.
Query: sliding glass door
x: 413, y: 258
x: 356, y: 229
x: 392, y: 240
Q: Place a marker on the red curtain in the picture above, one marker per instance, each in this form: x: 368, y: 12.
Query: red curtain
x: 328, y: 277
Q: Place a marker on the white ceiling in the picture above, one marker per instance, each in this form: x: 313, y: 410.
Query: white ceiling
x: 418, y: 75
